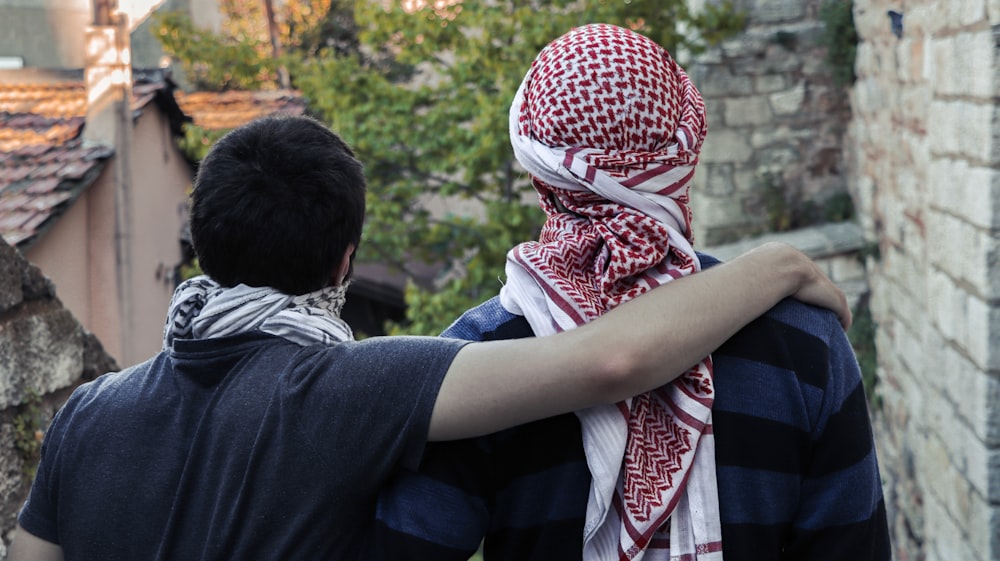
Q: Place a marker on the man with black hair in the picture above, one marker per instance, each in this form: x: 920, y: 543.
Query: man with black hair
x: 262, y: 430
x: 760, y: 451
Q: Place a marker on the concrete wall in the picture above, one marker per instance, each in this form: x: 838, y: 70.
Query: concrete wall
x: 925, y: 151
x: 44, y: 354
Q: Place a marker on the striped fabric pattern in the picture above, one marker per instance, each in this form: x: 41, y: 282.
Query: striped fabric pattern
x: 797, y: 472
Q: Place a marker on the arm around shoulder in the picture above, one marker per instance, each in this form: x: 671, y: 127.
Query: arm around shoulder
x: 634, y: 348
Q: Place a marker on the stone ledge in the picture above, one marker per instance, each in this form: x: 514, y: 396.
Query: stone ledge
x: 832, y: 246
x: 818, y: 242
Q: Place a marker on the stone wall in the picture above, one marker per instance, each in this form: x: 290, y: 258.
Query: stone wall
x: 44, y: 354
x: 773, y: 156
x: 925, y: 156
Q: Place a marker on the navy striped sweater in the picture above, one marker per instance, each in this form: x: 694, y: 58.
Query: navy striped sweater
x: 797, y: 471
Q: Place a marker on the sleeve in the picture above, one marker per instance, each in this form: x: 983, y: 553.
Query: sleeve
x: 385, y: 389
x: 441, y: 510
x: 39, y: 513
x: 841, y: 512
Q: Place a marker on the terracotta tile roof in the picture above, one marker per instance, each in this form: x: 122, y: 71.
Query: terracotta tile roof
x: 227, y: 110
x: 44, y: 166
x: 39, y: 181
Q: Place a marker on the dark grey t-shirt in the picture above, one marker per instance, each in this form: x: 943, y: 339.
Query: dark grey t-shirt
x: 247, y: 447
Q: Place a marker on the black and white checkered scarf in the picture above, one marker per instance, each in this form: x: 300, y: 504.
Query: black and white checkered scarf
x: 202, y: 309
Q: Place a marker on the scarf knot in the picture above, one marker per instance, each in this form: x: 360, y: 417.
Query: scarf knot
x: 202, y: 309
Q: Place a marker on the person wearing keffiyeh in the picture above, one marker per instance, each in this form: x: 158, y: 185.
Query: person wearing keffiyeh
x: 609, y: 128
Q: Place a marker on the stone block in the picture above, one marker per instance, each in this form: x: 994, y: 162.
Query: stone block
x: 748, y: 44
x: 979, y: 49
x: 789, y: 101
x: 905, y: 51
x: 966, y: 12
x: 717, y: 178
x: 716, y: 211
x: 942, y: 300
x: 984, y: 334
x: 726, y: 146
x: 968, y: 253
x: 745, y: 179
x: 846, y: 268
x: 768, y: 136
x: 743, y: 111
x: 41, y: 352
x: 10, y: 277
x: 715, y: 112
x: 719, y: 81
x: 942, y: 71
x: 969, y: 322
x: 907, y: 272
x: 972, y: 193
x: 778, y: 157
x: 965, y: 128
x: 914, y: 107
x: 944, y: 540
x: 12, y: 484
x: 962, y: 64
x: 956, y: 426
x: 774, y: 11
x: 769, y: 83
x: 909, y: 342
x: 924, y: 19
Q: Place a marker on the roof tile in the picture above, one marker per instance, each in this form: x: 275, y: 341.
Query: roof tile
x: 13, y: 201
x: 46, y: 169
x: 45, y: 185
x: 14, y: 219
x: 227, y: 110
x: 75, y: 169
x: 36, y: 220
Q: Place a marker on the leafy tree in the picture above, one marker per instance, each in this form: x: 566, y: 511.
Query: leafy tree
x: 421, y: 91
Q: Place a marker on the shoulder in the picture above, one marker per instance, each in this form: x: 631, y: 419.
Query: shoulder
x: 402, y: 366
x: 113, y: 386
x: 796, y: 351
x: 488, y: 321
x: 386, y: 349
x: 791, y: 322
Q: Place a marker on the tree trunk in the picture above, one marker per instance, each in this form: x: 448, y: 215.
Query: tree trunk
x: 272, y: 30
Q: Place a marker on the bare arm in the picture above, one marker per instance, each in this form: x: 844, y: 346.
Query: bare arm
x: 632, y: 349
x: 29, y: 547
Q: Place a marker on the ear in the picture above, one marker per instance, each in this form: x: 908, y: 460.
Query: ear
x: 345, y: 266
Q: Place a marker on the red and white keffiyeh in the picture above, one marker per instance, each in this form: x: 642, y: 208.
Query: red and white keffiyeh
x: 610, y: 128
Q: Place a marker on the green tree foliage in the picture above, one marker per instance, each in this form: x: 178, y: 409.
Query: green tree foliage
x: 840, y: 38
x: 421, y: 91
x: 212, y: 61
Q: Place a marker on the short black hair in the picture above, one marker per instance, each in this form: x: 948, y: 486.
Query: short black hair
x: 276, y: 203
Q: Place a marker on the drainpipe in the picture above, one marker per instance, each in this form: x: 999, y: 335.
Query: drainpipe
x: 108, y: 78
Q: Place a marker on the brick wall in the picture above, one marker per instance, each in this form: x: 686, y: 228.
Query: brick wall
x: 44, y: 354
x: 925, y: 159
